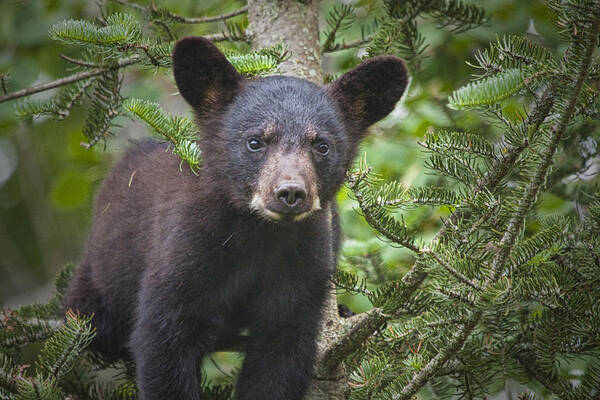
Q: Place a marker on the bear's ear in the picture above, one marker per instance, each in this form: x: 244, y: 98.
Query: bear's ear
x: 206, y: 80
x: 370, y: 91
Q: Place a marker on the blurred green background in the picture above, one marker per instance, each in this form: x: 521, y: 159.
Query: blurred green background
x: 48, y: 180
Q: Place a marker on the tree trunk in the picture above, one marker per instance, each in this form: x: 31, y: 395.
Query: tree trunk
x: 295, y: 23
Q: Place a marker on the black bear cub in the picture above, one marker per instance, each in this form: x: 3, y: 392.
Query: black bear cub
x: 177, y: 264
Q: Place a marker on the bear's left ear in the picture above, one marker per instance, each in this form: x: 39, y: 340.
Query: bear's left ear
x: 205, y: 78
x: 370, y: 91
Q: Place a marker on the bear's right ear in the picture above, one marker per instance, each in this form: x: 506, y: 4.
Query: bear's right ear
x: 206, y: 80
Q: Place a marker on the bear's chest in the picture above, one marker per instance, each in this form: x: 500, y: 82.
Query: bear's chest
x: 274, y: 273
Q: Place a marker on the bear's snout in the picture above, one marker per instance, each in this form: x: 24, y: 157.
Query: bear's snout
x: 286, y: 190
x: 290, y: 194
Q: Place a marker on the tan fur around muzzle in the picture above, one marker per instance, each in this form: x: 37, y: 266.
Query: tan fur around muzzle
x: 280, y: 167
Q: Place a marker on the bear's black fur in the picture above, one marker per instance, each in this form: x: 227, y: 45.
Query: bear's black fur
x: 177, y: 264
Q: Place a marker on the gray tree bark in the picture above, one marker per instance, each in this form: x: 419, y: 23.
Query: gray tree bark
x: 295, y: 23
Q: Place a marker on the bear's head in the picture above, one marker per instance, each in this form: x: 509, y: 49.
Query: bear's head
x: 280, y: 146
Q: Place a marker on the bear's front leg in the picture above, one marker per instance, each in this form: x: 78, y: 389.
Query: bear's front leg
x: 279, y: 361
x: 165, y: 369
x: 168, y: 342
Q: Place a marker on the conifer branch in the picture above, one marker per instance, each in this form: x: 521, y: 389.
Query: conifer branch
x: 361, y: 327
x: 81, y: 63
x: 59, y: 106
x: 219, y: 37
x: 349, y: 45
x: 434, y: 365
x: 69, y: 79
x: 203, y: 20
x: 179, y: 131
x: 419, y: 322
x: 455, y: 294
x: 339, y: 19
x: 364, y: 325
x: 377, y: 217
x: 350, y: 282
x: 487, y: 91
x: 416, y: 276
x: 180, y: 18
x: 531, y: 368
x: 9, y: 375
x: 502, y: 167
x: 514, y: 226
x: 66, y: 345
x: 121, y: 63
x: 530, y: 195
x: 457, y: 274
x: 3, y: 77
x: 16, y: 331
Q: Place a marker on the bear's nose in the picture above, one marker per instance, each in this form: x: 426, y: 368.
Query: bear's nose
x: 291, y: 194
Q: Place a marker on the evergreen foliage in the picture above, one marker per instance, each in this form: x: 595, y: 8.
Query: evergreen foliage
x: 62, y: 369
x: 510, y: 52
x: 398, y: 32
x: 488, y: 91
x: 58, y: 107
x: 496, y: 294
x: 117, y: 41
x: 339, y: 19
x: 105, y: 104
x: 118, y: 30
x: 181, y: 132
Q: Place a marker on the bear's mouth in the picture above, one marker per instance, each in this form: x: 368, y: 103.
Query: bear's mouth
x: 257, y: 205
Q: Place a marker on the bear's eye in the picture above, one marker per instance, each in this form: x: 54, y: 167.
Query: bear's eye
x: 322, y: 148
x: 254, y: 144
